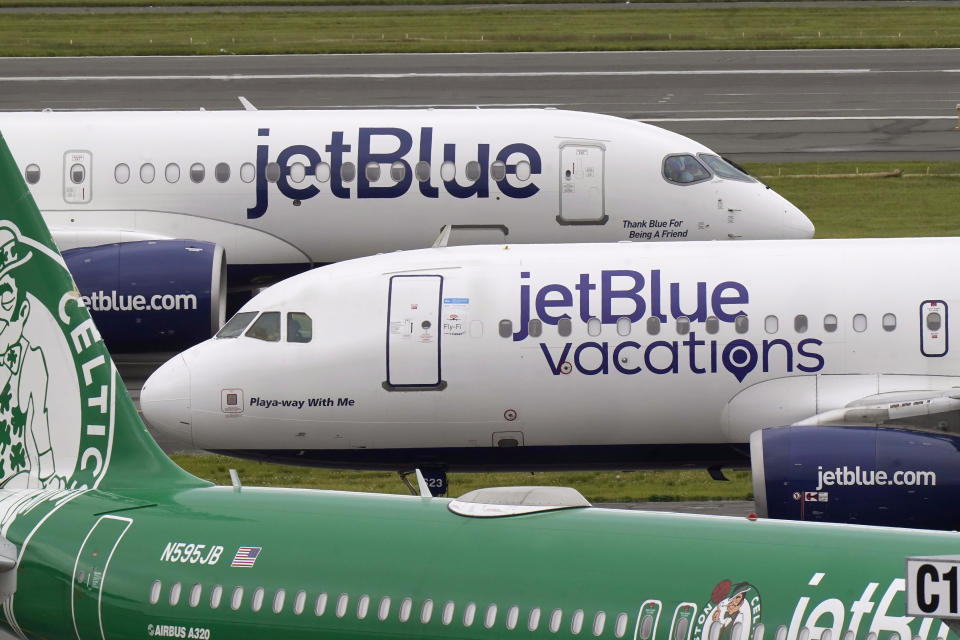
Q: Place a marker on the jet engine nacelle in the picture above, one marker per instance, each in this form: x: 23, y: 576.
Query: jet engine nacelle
x: 153, y: 295
x: 864, y: 475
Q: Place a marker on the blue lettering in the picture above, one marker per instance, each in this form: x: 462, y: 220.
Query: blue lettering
x: 533, y: 158
x: 718, y: 299
x: 601, y: 368
x: 283, y: 160
x: 364, y: 157
x: 481, y: 187
x: 555, y: 366
x: 260, y: 207
x: 801, y: 349
x: 566, y: 300
x: 609, y: 293
x: 336, y: 149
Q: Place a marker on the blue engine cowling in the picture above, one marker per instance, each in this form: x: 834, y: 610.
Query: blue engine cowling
x: 866, y: 475
x: 152, y: 295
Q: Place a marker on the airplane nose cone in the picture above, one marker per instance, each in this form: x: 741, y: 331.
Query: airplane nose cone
x: 802, y: 223
x: 165, y: 400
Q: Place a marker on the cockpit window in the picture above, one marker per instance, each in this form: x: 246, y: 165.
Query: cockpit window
x: 723, y: 168
x: 684, y: 169
x: 299, y: 327
x: 267, y: 327
x: 237, y: 324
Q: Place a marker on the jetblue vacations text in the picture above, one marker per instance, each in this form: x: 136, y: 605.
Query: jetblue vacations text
x: 398, y: 162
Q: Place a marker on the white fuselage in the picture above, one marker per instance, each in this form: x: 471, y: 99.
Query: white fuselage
x: 313, y: 187
x: 436, y: 350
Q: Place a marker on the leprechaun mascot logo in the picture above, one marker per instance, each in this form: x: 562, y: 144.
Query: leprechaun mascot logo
x: 732, y: 612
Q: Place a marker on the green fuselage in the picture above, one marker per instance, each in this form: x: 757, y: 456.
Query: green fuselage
x: 371, y: 547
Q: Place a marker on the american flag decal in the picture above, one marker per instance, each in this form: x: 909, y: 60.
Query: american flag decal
x: 245, y: 557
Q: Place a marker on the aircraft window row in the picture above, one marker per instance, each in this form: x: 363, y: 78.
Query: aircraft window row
x: 267, y: 326
x: 741, y: 324
x: 404, y: 613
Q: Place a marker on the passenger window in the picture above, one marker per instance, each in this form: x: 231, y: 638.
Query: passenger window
x: 147, y: 173
x: 564, y: 327
x: 222, y: 172
x: 683, y: 325
x: 342, y: 603
x: 684, y: 169
x: 523, y: 171
x: 172, y: 173
x: 299, y: 602
x: 505, y: 327
x: 237, y: 598
x: 804, y: 634
x: 599, y: 621
x: 257, y: 601
x: 422, y: 171
x: 267, y: 327
x: 680, y: 630
x: 771, y: 324
x: 32, y: 173
x: 646, y: 626
x: 195, y: 593
x: 473, y: 171
x: 620, y: 628
x: 322, y: 172
x: 555, y: 619
x: 593, y: 327
x: 372, y: 171
x: 859, y: 323
x: 426, y: 611
x: 175, y: 594
x: 800, y: 323
x: 934, y: 321
x: 513, y: 614
x: 468, y: 614
x: 383, y: 612
x: 363, y: 606
x: 447, y: 616
x: 889, y: 322
x: 712, y: 324
x: 272, y: 172
x: 498, y: 171
x: 850, y: 635
x: 741, y: 324
x: 491, y: 617
x: 830, y: 323
x: 216, y: 595
x: 348, y: 171
x: 321, y: 606
x: 535, y: 328
x: 448, y: 171
x: 828, y: 635
x: 653, y: 325
x: 576, y: 622
x: 398, y: 171
x: 121, y: 173
x: 297, y: 172
x: 737, y: 633
x: 77, y: 174
x: 533, y: 621
x: 714, y: 632
x: 723, y: 168
x: 248, y: 172
x: 198, y: 172
x: 406, y: 606
x: 155, y: 592
x: 299, y: 327
x: 623, y: 326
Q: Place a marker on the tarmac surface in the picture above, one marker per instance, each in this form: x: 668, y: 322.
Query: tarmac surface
x: 773, y: 106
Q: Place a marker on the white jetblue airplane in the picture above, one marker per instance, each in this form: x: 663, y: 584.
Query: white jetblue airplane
x: 582, y: 356
x: 262, y: 195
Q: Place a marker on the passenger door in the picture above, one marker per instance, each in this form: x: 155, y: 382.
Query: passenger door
x: 413, y: 333
x: 581, y: 183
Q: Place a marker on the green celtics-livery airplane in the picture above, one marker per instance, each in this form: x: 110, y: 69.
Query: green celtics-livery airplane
x: 104, y: 537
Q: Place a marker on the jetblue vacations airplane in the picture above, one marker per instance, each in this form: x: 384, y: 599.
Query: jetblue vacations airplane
x: 600, y: 356
x: 231, y: 201
x: 102, y: 537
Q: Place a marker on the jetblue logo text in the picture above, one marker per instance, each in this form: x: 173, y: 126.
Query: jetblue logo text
x: 398, y: 161
x: 624, y: 293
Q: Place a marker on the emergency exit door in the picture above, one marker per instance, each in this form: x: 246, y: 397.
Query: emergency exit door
x: 90, y: 573
x: 413, y: 333
x: 581, y: 184
x: 77, y: 177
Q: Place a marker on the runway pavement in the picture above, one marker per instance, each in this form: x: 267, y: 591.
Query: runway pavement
x: 753, y: 105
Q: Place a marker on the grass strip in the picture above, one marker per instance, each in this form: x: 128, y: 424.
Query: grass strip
x: 477, y: 30
x: 597, y: 486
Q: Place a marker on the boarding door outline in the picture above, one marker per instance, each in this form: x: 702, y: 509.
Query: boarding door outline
x: 653, y: 609
x: 90, y: 574
x: 684, y: 619
x: 582, y: 187
x: 934, y: 339
x: 77, y: 177
x: 413, y: 333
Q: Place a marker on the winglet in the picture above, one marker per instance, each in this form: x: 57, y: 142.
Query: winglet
x: 247, y: 105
